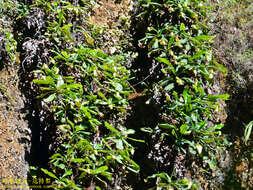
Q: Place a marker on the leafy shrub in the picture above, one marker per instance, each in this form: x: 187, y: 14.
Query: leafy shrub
x: 8, y: 44
x: 87, y: 91
x: 178, y: 47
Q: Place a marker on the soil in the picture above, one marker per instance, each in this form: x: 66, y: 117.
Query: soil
x: 109, y: 12
x: 114, y: 17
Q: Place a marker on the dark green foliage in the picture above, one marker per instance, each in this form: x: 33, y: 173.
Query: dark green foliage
x: 178, y: 46
x: 87, y: 91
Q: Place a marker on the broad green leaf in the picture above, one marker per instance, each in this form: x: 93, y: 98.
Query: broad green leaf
x: 155, y: 44
x: 78, y: 160
x: 48, y: 80
x: 102, y: 96
x: 67, y: 173
x: 166, y: 126
x: 101, y: 169
x: 216, y: 127
x: 134, y: 167
x: 47, y: 89
x: 80, y: 127
x: 117, y: 86
x: 171, y: 41
x: 108, y: 175
x: 65, y: 54
x: 69, y: 79
x: 182, y: 27
x: 118, y: 158
x: 164, y: 176
x: 185, y: 95
x: 119, y: 144
x: 71, y: 86
x: 247, y: 131
x: 220, y: 96
x: 111, y: 128
x: 221, y: 67
x: 197, y: 55
x: 50, y: 98
x: 212, y: 164
x: 49, y: 173
x: 165, y: 61
x: 173, y: 132
x: 127, y: 132
x: 147, y: 129
x: 169, y: 87
x: 183, y: 129
x: 204, y: 37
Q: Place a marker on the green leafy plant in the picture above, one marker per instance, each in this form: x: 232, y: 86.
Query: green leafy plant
x: 163, y: 181
x: 247, y: 131
x: 87, y: 91
x: 179, y: 46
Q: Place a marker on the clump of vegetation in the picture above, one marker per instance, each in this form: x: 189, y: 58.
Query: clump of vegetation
x: 182, y: 67
x: 88, y: 93
x: 8, y: 9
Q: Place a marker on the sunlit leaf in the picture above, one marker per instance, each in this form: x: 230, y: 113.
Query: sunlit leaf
x: 49, y: 173
x: 50, y: 98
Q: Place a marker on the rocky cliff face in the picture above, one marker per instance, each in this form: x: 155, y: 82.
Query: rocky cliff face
x: 23, y: 128
x: 232, y: 25
x: 14, y: 131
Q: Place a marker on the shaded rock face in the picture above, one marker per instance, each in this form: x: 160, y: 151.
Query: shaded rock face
x: 233, y: 48
x: 14, y: 131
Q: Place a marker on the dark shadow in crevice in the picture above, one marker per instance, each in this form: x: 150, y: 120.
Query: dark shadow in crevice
x: 234, y: 178
x: 39, y: 122
x: 3, y: 53
x: 142, y: 115
x: 3, y: 60
x: 145, y: 110
x: 142, y: 64
x: 239, y: 110
x: 38, y: 156
x: 157, y: 154
x: 239, y: 114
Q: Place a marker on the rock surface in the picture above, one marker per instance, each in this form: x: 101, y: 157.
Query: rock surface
x: 14, y: 132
